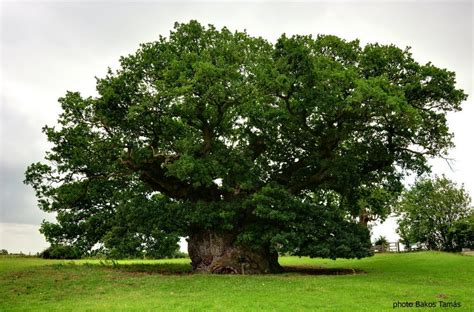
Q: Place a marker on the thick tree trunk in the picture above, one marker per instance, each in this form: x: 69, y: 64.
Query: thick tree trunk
x: 217, y: 253
x: 365, y: 218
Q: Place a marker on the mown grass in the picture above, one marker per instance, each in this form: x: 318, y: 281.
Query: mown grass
x: 32, y: 284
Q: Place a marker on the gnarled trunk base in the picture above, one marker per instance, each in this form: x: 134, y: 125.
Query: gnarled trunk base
x: 217, y: 253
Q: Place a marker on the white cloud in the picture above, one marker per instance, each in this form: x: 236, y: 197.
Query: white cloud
x: 21, y: 238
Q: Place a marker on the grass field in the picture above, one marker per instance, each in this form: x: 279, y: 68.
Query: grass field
x: 32, y: 284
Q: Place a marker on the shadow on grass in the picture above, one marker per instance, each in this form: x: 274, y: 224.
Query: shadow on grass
x: 185, y: 269
x: 313, y: 270
x: 132, y: 268
x: 155, y: 268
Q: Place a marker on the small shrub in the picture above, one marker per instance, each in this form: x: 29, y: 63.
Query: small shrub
x: 61, y: 252
x: 179, y: 255
x: 382, y: 242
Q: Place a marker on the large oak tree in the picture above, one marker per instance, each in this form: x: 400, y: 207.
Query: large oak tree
x: 247, y: 148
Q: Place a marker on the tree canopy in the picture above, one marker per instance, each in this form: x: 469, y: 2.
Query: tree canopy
x: 436, y: 213
x: 220, y: 136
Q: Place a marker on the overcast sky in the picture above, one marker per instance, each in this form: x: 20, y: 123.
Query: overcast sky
x: 50, y: 47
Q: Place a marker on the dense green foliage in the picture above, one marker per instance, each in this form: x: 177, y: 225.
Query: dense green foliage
x: 437, y: 214
x: 462, y: 232
x: 61, y: 252
x: 32, y: 284
x: 283, y: 144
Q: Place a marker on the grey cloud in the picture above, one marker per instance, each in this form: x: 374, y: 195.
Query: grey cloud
x: 17, y: 201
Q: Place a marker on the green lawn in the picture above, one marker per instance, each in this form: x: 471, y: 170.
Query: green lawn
x: 32, y: 284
